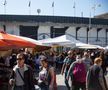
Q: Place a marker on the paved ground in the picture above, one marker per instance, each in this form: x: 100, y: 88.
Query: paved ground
x: 106, y: 78
x: 61, y: 84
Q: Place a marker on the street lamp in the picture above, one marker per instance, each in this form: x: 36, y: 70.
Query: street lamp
x: 94, y: 8
x: 90, y: 19
x: 74, y: 7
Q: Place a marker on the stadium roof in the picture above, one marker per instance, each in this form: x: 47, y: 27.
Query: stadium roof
x: 53, y: 19
x: 103, y: 16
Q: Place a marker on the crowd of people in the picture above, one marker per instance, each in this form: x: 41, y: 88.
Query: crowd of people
x: 85, y: 68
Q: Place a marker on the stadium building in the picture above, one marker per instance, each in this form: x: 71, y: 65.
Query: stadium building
x: 87, y: 30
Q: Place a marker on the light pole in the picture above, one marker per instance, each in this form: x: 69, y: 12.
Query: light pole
x: 89, y: 24
x: 29, y: 5
x: 38, y: 11
x: 5, y: 4
x: 90, y: 18
x: 74, y: 7
x: 90, y: 21
x: 94, y: 8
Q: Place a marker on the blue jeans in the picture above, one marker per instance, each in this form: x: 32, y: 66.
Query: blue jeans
x: 66, y: 82
x: 19, y: 87
x: 43, y: 86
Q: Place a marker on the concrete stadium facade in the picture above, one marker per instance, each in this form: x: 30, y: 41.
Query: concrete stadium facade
x: 87, y: 30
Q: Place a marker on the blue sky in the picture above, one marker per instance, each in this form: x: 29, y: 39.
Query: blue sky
x: 61, y: 7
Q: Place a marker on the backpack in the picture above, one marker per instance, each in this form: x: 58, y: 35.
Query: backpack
x: 79, y: 72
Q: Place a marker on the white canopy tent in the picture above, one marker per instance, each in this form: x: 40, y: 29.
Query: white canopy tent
x: 87, y: 46
x: 106, y: 48
x: 68, y: 41
x: 64, y: 40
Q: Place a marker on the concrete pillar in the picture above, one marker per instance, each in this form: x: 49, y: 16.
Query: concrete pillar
x: 51, y: 32
x: 87, y: 35
x: 106, y: 36
x: 77, y: 28
x: 98, y: 29
x: 4, y: 28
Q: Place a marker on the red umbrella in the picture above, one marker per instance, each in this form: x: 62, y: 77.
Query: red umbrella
x: 8, y: 41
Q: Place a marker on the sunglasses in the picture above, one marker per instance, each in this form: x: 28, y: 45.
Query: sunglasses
x: 19, y: 58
